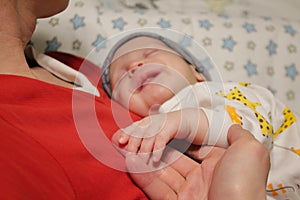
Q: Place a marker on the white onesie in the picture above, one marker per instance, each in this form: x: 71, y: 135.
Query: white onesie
x: 257, y: 110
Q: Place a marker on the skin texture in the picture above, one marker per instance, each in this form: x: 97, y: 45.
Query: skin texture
x: 14, y: 36
x: 166, y: 73
x: 150, y: 135
x: 218, y: 173
x: 222, y: 174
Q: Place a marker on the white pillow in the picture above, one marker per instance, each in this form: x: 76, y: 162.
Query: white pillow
x: 262, y: 50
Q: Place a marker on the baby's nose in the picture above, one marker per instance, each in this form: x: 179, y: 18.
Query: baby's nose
x: 134, y: 67
x: 136, y: 64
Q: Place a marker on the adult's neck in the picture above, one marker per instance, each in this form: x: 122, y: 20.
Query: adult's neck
x: 12, y: 58
x: 15, y: 31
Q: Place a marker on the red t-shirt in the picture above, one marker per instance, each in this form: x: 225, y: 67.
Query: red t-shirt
x: 55, y: 143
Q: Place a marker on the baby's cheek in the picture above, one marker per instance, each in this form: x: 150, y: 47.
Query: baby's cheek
x: 138, y: 105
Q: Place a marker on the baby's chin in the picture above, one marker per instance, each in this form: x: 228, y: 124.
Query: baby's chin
x: 148, y: 101
x: 140, y: 112
x: 151, y: 110
x: 154, y: 109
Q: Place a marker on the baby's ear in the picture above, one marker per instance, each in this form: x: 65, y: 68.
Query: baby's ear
x: 199, y: 76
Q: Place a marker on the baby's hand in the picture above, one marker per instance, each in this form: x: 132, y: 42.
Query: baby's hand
x: 146, y: 136
x: 150, y: 135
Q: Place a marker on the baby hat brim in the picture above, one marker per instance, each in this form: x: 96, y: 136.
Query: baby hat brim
x: 142, y: 42
x: 169, y: 44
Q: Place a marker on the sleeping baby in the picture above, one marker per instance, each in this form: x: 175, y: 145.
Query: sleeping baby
x: 160, y: 80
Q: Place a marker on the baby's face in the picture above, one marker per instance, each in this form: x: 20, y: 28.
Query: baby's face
x: 144, y: 79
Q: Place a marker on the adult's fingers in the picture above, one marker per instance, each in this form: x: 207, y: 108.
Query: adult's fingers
x: 195, y: 187
x: 198, y: 180
x: 179, y: 162
x: 242, y: 171
x: 170, y: 177
x: 200, y: 153
x: 197, y: 176
x: 179, y: 177
x: 161, y: 184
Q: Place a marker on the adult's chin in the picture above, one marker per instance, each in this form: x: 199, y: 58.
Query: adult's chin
x: 46, y: 8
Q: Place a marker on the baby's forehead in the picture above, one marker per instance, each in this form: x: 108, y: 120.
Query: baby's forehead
x: 143, y: 52
x: 141, y: 43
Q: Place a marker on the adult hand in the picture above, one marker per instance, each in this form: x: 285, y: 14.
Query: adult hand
x: 222, y: 174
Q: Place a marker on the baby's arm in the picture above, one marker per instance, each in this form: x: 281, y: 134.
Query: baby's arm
x: 152, y: 133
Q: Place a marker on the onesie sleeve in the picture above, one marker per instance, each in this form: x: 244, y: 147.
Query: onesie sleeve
x: 219, y: 124
x: 226, y: 104
x: 199, y: 96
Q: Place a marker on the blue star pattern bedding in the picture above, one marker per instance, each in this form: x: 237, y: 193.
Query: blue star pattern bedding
x: 249, y: 41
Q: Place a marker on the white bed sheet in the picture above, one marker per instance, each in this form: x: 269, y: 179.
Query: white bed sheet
x: 250, y: 40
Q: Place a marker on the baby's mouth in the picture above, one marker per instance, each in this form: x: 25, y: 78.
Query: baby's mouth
x: 145, y: 75
x: 147, y: 79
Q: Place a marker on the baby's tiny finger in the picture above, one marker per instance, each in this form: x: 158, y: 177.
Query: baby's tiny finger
x: 147, y: 147
x: 133, y: 144
x: 158, y: 149
x: 157, y: 154
x: 123, y: 138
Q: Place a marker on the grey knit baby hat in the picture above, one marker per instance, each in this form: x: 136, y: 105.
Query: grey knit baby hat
x: 180, y: 43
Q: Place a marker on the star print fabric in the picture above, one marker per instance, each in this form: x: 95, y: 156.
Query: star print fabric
x: 251, y: 41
